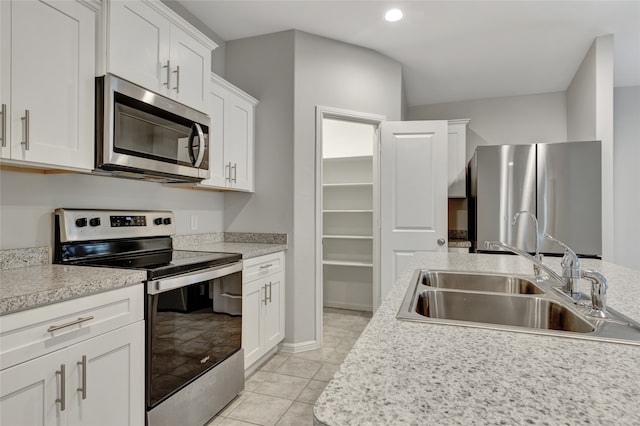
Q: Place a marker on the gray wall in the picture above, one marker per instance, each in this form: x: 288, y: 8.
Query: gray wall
x: 581, y: 98
x: 626, y: 152
x: 509, y: 120
x: 263, y: 67
x: 27, y: 201
x: 337, y: 75
x: 291, y: 73
x: 590, y: 117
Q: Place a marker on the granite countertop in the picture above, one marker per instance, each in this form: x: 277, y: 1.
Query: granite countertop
x: 33, y: 286
x: 459, y: 243
x: 27, y: 281
x: 404, y: 373
x: 247, y: 250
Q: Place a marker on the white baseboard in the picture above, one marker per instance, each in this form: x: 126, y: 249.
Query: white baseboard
x: 299, y: 347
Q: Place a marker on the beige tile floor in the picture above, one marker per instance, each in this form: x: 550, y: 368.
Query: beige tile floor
x: 282, y: 392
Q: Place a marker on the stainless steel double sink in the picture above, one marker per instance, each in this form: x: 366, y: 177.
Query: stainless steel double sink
x: 508, y: 302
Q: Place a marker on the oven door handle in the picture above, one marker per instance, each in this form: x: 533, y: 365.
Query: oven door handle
x: 166, y: 284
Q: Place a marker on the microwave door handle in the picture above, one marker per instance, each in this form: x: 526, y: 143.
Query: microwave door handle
x: 197, y: 161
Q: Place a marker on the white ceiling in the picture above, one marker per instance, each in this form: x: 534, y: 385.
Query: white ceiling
x: 454, y: 50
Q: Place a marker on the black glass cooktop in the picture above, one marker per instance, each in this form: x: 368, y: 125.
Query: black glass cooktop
x: 154, y: 255
x: 166, y: 263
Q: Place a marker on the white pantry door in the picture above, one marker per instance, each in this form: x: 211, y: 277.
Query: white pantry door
x: 413, y: 194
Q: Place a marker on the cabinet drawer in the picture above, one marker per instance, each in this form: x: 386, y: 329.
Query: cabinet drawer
x: 262, y: 266
x: 29, y: 334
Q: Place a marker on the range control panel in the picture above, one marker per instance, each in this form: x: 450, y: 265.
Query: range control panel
x: 117, y: 221
x: 82, y: 225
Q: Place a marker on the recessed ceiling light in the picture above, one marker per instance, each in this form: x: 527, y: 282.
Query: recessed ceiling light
x: 393, y: 15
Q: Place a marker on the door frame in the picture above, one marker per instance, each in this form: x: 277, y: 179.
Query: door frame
x: 376, y: 120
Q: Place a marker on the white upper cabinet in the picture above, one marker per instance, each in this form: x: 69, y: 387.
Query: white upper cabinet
x: 190, y: 69
x: 138, y: 44
x: 150, y: 45
x: 231, y: 137
x: 47, y: 83
x: 457, y: 158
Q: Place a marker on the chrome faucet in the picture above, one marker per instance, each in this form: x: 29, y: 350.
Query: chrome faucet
x: 571, y: 275
x: 598, y: 293
x: 536, y: 267
x: 570, y: 269
x: 499, y: 244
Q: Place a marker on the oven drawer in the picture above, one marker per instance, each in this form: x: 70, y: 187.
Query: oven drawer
x: 262, y: 266
x: 29, y: 334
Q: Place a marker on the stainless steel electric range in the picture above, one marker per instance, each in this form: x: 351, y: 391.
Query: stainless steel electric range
x: 193, y: 314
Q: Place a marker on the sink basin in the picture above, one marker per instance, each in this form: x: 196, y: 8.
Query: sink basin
x: 478, y: 281
x: 530, y: 312
x: 509, y: 303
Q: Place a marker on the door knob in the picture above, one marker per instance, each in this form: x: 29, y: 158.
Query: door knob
x: 441, y: 241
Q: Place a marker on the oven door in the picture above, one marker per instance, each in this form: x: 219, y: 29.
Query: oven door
x: 193, y: 323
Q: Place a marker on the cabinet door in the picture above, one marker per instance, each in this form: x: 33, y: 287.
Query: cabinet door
x: 252, y: 336
x: 28, y: 392
x: 139, y: 45
x: 217, y: 100
x: 239, y: 142
x: 190, y: 62
x: 5, y: 80
x: 52, y: 77
x: 112, y: 392
x: 274, y: 312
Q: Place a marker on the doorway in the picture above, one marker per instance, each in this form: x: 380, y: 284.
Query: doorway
x: 347, y: 221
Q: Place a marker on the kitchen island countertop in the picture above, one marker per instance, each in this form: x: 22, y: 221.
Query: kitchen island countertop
x: 405, y: 373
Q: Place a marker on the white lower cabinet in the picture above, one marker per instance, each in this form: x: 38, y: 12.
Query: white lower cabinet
x: 30, y: 392
x: 262, y: 306
x: 97, y: 380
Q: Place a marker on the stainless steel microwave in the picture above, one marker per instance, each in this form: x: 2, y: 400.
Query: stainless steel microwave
x: 142, y: 135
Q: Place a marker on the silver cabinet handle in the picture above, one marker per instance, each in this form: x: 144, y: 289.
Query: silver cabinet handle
x: 268, y: 265
x: 25, y: 142
x: 168, y: 67
x: 177, y: 71
x: 4, y: 125
x: 269, y: 291
x: 62, y: 400
x: 235, y: 172
x: 83, y: 365
x: 441, y: 241
x: 69, y: 324
x: 265, y: 294
x: 227, y: 172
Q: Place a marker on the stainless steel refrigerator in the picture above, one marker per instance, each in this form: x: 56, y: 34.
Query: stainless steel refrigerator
x: 560, y: 183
